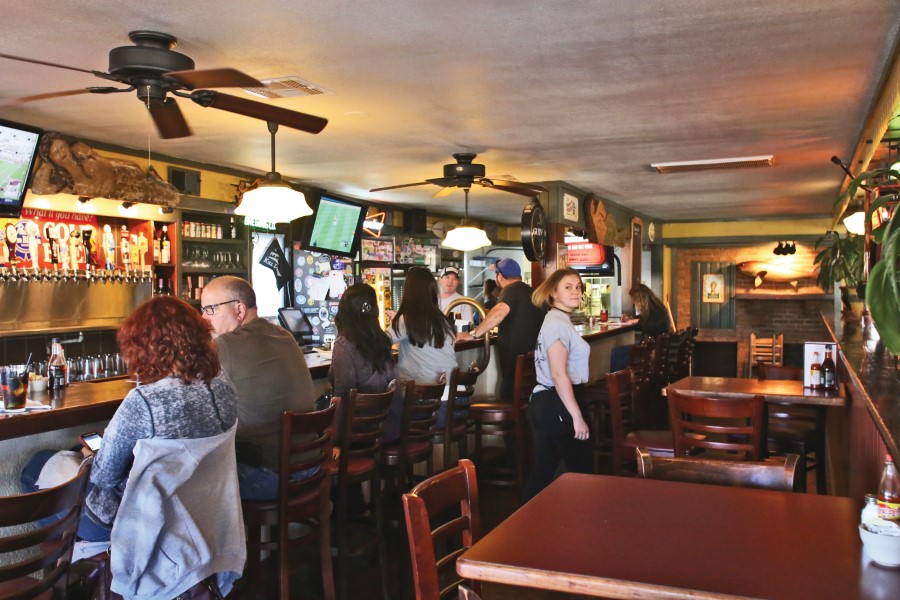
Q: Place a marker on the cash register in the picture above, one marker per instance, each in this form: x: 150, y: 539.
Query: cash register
x: 296, y: 321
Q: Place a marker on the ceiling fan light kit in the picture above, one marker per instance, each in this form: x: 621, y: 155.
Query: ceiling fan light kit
x: 273, y: 199
x: 466, y: 237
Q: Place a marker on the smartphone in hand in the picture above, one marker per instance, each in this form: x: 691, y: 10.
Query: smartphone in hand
x: 91, y: 441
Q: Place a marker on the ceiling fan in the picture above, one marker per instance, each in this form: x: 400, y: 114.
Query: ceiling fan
x: 153, y: 70
x: 464, y: 174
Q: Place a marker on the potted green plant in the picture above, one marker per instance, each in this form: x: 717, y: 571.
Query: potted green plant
x: 841, y: 262
x: 883, y: 286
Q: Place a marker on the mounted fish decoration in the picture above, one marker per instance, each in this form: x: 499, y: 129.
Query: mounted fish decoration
x: 770, y: 271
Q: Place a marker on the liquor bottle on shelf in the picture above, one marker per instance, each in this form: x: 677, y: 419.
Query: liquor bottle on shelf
x: 889, y: 491
x: 233, y: 226
x: 165, y: 246
x: 57, y: 368
x: 829, y: 379
x: 125, y: 250
x: 815, y: 373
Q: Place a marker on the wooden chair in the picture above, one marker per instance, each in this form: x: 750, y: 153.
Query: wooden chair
x: 728, y: 428
x: 456, y: 429
x: 625, y: 435
x: 306, y: 443
x: 796, y: 429
x: 769, y: 350
x: 778, y: 473
x: 360, y: 459
x: 450, y: 501
x: 465, y: 593
x: 505, y: 419
x: 655, y: 415
x: 416, y: 444
x: 47, y: 549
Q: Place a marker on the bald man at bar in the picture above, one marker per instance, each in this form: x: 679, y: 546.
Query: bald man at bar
x: 269, y: 373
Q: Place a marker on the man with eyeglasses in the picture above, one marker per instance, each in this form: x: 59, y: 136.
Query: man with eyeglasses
x: 269, y: 373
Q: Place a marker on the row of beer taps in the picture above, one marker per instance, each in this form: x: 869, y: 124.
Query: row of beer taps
x: 90, y: 274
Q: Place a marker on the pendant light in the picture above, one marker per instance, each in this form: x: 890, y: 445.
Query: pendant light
x: 466, y: 236
x: 272, y: 199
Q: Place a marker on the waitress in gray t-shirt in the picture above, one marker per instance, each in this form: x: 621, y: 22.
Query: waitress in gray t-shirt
x: 556, y: 411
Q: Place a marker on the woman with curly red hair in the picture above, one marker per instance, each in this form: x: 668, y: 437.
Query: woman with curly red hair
x: 182, y: 394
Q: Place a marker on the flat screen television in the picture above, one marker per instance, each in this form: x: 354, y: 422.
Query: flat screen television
x: 18, y: 151
x: 335, y: 227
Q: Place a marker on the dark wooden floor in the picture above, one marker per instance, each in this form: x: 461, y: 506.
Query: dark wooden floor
x: 496, y: 505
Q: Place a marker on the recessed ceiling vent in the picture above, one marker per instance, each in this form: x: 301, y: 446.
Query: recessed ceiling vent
x: 714, y: 164
x: 288, y: 87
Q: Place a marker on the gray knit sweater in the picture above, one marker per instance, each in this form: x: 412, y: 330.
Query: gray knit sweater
x: 168, y: 409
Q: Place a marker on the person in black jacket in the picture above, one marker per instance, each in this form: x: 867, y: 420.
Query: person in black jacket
x: 653, y: 318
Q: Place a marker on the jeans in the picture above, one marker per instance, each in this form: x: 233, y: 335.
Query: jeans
x: 261, y: 483
x: 554, y: 441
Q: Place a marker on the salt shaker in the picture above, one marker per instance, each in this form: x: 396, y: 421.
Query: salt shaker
x: 870, y: 510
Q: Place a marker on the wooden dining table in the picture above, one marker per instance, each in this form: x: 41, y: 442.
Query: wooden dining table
x: 773, y: 390
x: 619, y: 537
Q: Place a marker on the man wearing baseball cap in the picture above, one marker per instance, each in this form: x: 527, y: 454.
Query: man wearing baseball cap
x: 519, y: 322
x: 447, y: 284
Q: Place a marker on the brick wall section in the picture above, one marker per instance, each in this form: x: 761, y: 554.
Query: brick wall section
x: 799, y: 320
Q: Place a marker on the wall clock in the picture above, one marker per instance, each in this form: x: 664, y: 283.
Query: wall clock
x: 534, y: 232
x: 651, y: 232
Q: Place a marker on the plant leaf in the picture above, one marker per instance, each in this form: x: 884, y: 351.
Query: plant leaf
x: 884, y: 306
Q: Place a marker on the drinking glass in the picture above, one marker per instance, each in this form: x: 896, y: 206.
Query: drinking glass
x: 15, y: 387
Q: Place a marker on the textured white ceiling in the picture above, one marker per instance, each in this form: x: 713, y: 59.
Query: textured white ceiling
x: 588, y: 92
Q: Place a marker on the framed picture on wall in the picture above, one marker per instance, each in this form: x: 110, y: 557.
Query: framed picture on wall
x: 570, y: 207
x: 713, y: 288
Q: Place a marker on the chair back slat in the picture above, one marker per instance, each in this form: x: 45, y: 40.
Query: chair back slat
x: 732, y: 426
x: 364, y: 418
x: 776, y: 473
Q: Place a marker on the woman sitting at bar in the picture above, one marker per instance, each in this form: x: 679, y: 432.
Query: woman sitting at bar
x: 362, y: 357
x: 556, y: 411
x: 172, y: 441
x: 653, y: 319
x: 426, y: 337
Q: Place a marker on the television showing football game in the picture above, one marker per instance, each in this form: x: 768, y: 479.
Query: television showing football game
x: 18, y: 149
x: 336, y: 227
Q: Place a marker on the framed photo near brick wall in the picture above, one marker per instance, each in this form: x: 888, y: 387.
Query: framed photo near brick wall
x: 713, y: 288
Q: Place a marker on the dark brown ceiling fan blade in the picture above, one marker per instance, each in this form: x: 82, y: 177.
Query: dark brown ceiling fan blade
x: 50, y: 64
x: 402, y: 185
x: 169, y: 120
x: 212, y: 78
x: 523, y: 189
x: 258, y: 110
x: 47, y: 96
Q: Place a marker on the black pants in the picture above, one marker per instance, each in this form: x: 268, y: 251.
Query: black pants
x: 554, y: 440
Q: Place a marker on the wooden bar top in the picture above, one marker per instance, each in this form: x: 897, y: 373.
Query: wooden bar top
x: 619, y: 537
x: 774, y: 390
x: 83, y: 402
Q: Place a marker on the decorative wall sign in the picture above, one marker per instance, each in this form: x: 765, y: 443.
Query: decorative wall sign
x: 534, y: 232
x: 713, y: 288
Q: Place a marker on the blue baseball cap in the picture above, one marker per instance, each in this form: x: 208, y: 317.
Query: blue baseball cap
x: 509, y: 268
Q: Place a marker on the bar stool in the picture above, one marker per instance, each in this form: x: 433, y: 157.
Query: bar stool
x: 506, y: 420
x: 456, y: 429
x: 421, y: 402
x: 301, y: 501
x: 362, y: 427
